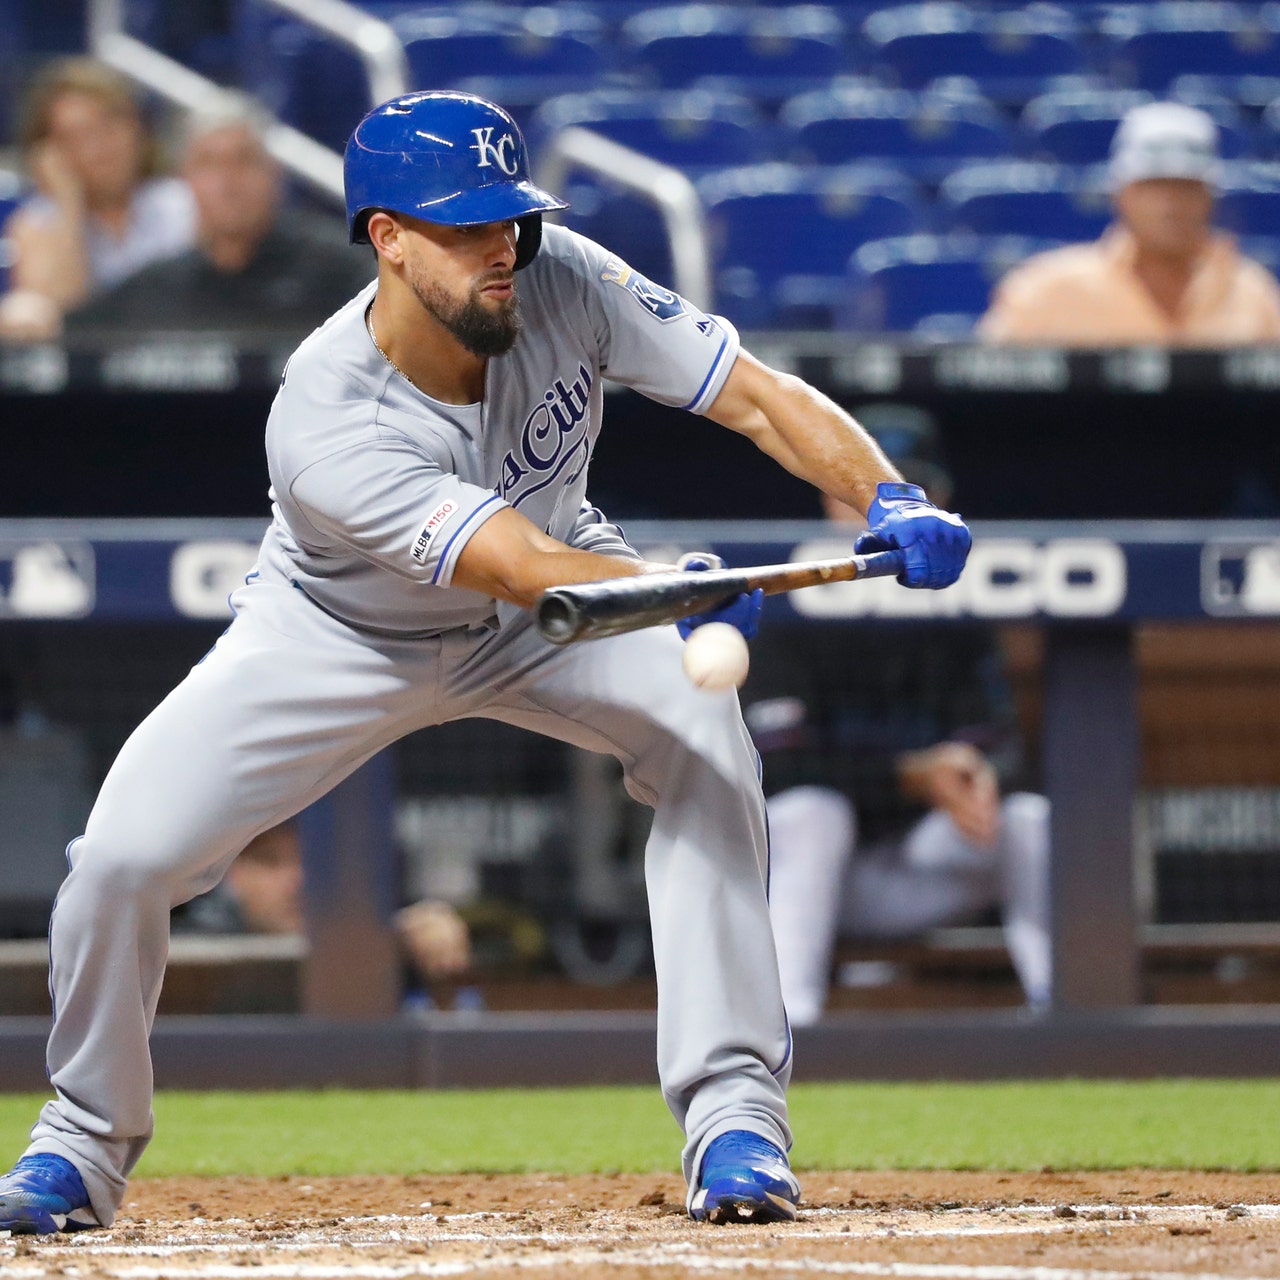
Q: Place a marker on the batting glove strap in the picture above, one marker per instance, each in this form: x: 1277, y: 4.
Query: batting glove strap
x: 936, y: 542
x: 743, y: 611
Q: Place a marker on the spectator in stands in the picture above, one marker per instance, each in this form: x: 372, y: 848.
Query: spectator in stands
x: 262, y: 893
x: 100, y: 211
x: 1160, y: 273
x: 885, y: 752
x: 253, y: 265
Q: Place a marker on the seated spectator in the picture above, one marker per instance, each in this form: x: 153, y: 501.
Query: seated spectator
x: 254, y: 265
x: 886, y: 750
x: 262, y: 893
x: 100, y: 212
x: 1160, y: 273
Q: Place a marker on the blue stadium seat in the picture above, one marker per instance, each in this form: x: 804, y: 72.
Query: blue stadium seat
x: 768, y: 53
x: 1075, y: 126
x: 1249, y: 201
x: 622, y: 222
x: 1268, y: 137
x: 1024, y: 198
x: 937, y: 285
x: 304, y: 79
x: 1155, y: 43
x: 519, y: 57
x: 694, y: 130
x: 10, y: 196
x: 781, y: 234
x: 1263, y: 249
x: 928, y: 133
x: 1008, y: 53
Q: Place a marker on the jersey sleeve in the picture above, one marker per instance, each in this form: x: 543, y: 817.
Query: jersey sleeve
x: 653, y: 340
x: 593, y: 532
x: 395, y: 507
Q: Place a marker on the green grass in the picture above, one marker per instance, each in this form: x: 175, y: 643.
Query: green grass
x: 1066, y: 1124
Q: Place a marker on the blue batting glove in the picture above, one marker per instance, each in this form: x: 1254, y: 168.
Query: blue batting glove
x: 743, y: 611
x: 936, y: 542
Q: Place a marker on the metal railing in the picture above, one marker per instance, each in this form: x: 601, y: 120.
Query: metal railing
x: 670, y: 190
x: 376, y: 43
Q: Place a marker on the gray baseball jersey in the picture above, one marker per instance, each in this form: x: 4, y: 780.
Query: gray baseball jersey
x: 350, y: 635
x: 377, y: 487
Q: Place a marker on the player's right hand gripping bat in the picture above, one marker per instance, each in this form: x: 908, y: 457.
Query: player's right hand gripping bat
x: 593, y: 609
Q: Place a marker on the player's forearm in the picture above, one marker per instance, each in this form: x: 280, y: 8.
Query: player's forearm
x: 804, y: 431
x: 525, y: 582
x: 511, y: 559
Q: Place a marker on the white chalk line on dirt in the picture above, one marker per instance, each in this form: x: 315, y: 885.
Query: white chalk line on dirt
x: 648, y: 1256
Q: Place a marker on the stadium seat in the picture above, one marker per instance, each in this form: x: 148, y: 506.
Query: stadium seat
x: 10, y: 194
x: 519, y: 57
x: 1024, y: 198
x: 1075, y: 126
x: 768, y: 53
x: 932, y: 285
x: 303, y: 78
x: 1249, y: 201
x: 1152, y: 44
x: 321, y: 88
x: 781, y: 234
x: 927, y: 133
x: 621, y: 221
x: 1008, y: 53
x: 695, y: 130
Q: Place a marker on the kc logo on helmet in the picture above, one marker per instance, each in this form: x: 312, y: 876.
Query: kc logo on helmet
x: 501, y: 153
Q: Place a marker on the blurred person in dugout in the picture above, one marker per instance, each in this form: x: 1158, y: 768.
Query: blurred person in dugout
x: 263, y: 893
x: 255, y: 264
x: 886, y: 749
x: 1160, y: 274
x: 101, y: 210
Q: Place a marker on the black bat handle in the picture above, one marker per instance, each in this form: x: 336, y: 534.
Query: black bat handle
x: 881, y: 564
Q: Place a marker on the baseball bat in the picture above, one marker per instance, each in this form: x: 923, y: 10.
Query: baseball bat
x: 593, y: 609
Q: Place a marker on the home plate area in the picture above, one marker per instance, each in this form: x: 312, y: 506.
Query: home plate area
x: 937, y: 1226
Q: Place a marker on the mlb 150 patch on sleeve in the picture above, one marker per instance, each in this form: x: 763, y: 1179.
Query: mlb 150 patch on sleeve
x: 435, y: 522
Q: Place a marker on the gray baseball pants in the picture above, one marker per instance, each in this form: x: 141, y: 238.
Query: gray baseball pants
x: 288, y: 703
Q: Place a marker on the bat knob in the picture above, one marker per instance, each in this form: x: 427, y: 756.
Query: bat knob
x: 557, y: 618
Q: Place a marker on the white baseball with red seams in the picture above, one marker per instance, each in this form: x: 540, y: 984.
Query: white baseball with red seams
x: 716, y: 657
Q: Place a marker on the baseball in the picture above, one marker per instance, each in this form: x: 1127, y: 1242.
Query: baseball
x: 715, y: 656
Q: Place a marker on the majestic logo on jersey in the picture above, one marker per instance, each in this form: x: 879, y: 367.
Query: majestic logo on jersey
x: 435, y: 522
x: 552, y: 439
x: 502, y: 153
x: 656, y: 300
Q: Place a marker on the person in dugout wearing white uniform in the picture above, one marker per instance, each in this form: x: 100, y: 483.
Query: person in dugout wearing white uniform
x: 886, y: 749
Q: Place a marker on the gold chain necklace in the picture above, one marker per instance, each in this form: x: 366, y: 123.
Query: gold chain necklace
x: 373, y: 337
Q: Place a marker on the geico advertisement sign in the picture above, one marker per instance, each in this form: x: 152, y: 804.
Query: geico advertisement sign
x: 203, y: 574
x: 1004, y: 578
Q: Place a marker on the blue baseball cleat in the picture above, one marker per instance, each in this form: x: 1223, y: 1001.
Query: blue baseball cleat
x: 42, y: 1194
x: 745, y: 1178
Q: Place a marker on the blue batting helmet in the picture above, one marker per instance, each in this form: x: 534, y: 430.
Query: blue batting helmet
x: 450, y: 158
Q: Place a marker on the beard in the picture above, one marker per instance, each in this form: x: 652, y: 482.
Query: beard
x: 481, y: 329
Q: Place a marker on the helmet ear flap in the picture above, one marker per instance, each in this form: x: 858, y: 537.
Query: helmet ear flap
x: 530, y: 239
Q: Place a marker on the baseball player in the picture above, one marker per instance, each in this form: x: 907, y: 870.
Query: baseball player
x: 428, y: 453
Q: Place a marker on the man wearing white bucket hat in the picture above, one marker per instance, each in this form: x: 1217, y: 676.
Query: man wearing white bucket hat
x: 1160, y: 273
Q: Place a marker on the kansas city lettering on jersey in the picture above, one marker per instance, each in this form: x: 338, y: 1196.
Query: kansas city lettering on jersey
x: 553, y: 437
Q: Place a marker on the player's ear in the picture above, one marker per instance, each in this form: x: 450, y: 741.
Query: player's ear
x: 384, y: 234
